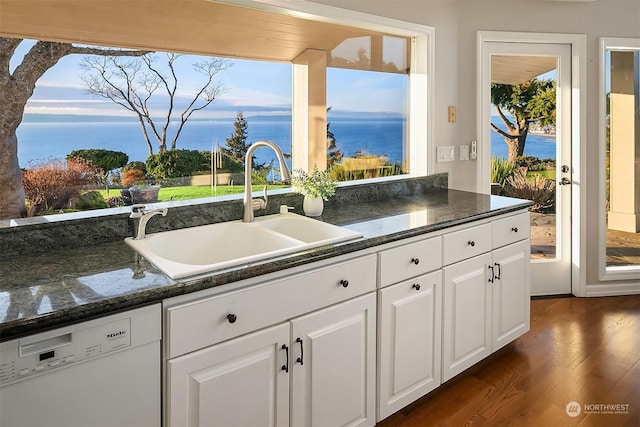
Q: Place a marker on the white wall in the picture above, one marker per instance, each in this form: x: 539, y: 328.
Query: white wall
x: 456, y: 24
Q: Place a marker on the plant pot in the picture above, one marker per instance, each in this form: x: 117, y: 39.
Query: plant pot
x: 144, y: 194
x: 313, y: 206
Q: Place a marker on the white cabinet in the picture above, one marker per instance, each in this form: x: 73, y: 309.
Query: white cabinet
x: 486, y: 297
x: 236, y: 383
x: 322, y: 364
x: 409, y: 341
x: 467, y: 319
x: 511, y: 293
x: 334, y: 365
x: 299, y: 351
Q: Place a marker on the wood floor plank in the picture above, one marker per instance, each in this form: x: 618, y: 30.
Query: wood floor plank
x: 584, y: 350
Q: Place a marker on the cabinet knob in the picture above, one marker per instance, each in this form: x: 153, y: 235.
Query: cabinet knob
x: 415, y: 261
x: 514, y: 229
x: 344, y: 283
x: 471, y: 243
x: 416, y: 286
x: 232, y: 318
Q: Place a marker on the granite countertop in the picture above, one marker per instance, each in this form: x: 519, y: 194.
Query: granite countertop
x: 59, y: 287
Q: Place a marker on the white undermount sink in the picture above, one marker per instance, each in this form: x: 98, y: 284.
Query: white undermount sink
x: 189, y: 251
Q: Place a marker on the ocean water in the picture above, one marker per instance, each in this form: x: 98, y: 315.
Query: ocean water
x: 38, y: 142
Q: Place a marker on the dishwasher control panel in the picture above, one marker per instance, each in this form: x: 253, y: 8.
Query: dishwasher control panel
x: 41, y: 353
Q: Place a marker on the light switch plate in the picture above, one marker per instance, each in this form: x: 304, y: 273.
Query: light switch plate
x: 446, y: 153
x: 464, y: 152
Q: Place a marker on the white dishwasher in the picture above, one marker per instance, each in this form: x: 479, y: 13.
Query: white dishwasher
x: 103, y: 372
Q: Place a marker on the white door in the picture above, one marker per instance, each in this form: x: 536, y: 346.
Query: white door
x: 243, y: 382
x: 466, y: 325
x: 410, y: 341
x: 333, y: 365
x: 551, y: 229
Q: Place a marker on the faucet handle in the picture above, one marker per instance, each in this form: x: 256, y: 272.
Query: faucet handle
x: 137, y: 211
x: 261, y: 203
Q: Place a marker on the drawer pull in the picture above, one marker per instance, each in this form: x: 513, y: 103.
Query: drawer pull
x: 415, y: 261
x: 232, y: 318
x: 499, y: 270
x: 285, y: 367
x: 416, y: 286
x: 344, y: 283
x: 300, y: 359
x: 514, y: 229
x: 491, y: 274
x: 471, y: 243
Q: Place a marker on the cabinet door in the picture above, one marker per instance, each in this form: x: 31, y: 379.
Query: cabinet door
x: 467, y: 315
x: 409, y: 341
x: 333, y: 358
x: 511, y: 293
x: 240, y: 383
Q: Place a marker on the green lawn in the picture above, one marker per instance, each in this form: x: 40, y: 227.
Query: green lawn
x: 194, y: 192
x: 549, y: 174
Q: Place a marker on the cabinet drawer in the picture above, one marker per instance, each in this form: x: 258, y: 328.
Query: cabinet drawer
x: 512, y: 229
x: 414, y: 259
x: 466, y: 243
x: 198, y: 324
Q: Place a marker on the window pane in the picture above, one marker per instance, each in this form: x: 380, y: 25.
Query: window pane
x: 367, y: 119
x: 622, y: 153
x: 187, y: 102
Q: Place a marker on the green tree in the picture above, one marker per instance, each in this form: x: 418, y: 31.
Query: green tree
x: 237, y: 145
x: 334, y: 155
x: 533, y: 101
x: 105, y: 160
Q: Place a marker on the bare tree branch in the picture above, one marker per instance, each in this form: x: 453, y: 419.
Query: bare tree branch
x: 127, y: 85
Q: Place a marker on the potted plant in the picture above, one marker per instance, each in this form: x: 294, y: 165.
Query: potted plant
x: 316, y: 187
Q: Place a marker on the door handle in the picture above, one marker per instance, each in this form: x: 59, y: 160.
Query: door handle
x: 565, y: 181
x: 300, y: 359
x: 285, y: 367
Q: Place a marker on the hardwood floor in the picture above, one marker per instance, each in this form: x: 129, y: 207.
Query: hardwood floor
x: 584, y: 350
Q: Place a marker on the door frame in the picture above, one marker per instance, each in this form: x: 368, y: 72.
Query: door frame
x: 578, y: 43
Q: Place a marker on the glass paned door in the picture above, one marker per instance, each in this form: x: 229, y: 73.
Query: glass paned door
x: 530, y: 138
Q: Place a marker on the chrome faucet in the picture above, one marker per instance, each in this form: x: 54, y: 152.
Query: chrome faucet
x: 251, y: 205
x: 141, y: 217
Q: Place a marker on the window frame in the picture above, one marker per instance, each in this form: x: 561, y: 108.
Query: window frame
x: 608, y: 273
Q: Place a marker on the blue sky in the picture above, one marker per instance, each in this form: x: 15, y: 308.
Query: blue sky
x: 254, y: 87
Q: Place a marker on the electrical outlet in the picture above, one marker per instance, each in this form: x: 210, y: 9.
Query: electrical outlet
x: 474, y: 150
x: 452, y: 114
x: 446, y: 153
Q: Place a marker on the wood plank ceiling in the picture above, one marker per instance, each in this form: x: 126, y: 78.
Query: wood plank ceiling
x: 514, y: 70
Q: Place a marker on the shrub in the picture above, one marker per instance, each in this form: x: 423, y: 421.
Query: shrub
x: 175, y: 163
x: 541, y: 191
x: 501, y: 169
x: 117, y: 201
x: 363, y: 167
x: 131, y: 177
x: 52, y: 185
x: 534, y: 163
x: 90, y: 200
x: 139, y: 166
x: 106, y: 160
